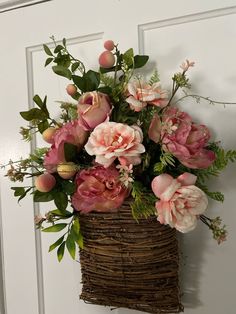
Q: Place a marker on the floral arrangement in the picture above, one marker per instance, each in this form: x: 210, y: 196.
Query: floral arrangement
x: 120, y: 136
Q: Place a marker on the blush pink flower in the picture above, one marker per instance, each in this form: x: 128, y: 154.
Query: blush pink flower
x: 141, y: 94
x: 93, y: 109
x: 111, y: 140
x: 71, y: 133
x: 181, y: 202
x: 154, y: 131
x: 185, y: 139
x: 186, y: 65
x: 98, y: 189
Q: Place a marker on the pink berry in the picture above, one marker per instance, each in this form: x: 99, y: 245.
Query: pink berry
x: 45, y: 182
x: 109, y: 45
x: 106, y: 59
x: 48, y: 135
x: 71, y: 89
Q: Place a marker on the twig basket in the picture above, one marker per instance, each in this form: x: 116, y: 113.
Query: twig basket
x: 129, y: 264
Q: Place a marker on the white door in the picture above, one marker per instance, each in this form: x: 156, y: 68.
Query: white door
x: 168, y: 31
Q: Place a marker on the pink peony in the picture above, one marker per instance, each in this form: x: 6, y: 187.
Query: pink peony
x: 70, y: 132
x: 98, y: 189
x: 181, y: 202
x: 111, y: 140
x: 93, y: 109
x: 141, y: 94
x: 185, y: 139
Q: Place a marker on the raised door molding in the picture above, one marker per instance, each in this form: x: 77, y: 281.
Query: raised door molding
x: 142, y: 28
x: 17, y: 4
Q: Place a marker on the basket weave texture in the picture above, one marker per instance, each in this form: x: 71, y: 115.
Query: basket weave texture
x: 129, y: 264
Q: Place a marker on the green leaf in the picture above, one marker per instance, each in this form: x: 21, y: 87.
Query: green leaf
x: 105, y: 70
x: 18, y: 191
x: 154, y: 78
x: 56, y: 244
x: 89, y: 82
x: 64, y: 42
x: 68, y: 187
x: 72, y: 112
x: 222, y: 159
x: 79, y: 82
x: 42, y: 104
x: 92, y: 79
x: 144, y: 201
x: 62, y: 71
x: 48, y: 61
x: 128, y: 57
x: 71, y: 247
x: 140, y: 61
x: 167, y: 159
x: 107, y: 80
x: 43, y: 196
x: 32, y: 114
x: 58, y: 48
x: 47, y: 50
x: 63, y: 60
x: 62, y: 213
x: 55, y: 228
x: 80, y: 241
x: 70, y: 152
x: 24, y: 194
x: 75, y: 66
x: 217, y: 196
x: 158, y: 168
x: 105, y: 89
x: 38, y: 101
x: 61, y: 251
x: 61, y: 200
x: 76, y: 228
x: 42, y: 126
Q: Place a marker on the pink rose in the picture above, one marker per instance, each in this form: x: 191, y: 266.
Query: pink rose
x: 71, y: 133
x: 111, y: 140
x: 181, y: 202
x: 98, y: 189
x: 93, y: 109
x: 141, y: 94
x: 185, y: 139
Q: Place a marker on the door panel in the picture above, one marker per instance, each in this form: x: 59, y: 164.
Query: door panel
x: 203, y: 31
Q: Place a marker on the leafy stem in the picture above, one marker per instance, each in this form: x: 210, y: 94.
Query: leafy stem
x: 211, y: 101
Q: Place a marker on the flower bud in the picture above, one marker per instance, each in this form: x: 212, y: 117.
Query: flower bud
x: 48, y: 135
x: 66, y: 170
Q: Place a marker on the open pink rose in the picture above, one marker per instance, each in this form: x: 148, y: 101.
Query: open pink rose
x: 141, y: 94
x: 111, y: 140
x: 98, y: 189
x: 185, y: 139
x: 93, y: 109
x: 70, y: 132
x: 180, y: 201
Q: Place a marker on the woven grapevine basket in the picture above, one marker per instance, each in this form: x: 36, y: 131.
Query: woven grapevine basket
x: 129, y: 264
